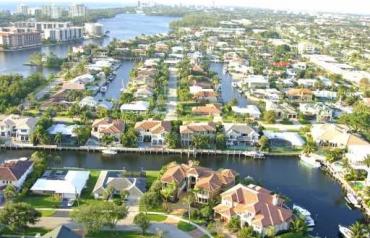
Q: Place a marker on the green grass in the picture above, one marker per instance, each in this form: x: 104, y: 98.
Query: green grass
x: 151, y: 176
x: 156, y: 217
x: 118, y: 234
x: 42, y: 201
x: 184, y: 226
x: 86, y: 195
x: 293, y: 235
x: 30, y: 231
x: 47, y: 213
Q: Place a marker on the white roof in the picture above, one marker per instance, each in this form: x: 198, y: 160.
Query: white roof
x: 135, y: 106
x: 73, y: 183
x: 62, y: 128
x: 293, y: 137
x: 249, y: 109
x: 85, y: 78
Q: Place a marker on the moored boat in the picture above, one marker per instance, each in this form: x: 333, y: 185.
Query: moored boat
x: 310, y: 160
x: 109, y: 152
x: 352, y: 200
x: 346, y: 232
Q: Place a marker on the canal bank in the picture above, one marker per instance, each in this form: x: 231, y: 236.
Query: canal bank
x: 310, y: 188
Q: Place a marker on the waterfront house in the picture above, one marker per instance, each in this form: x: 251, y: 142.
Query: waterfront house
x: 188, y: 131
x: 207, y: 110
x: 143, y: 92
x: 282, y: 111
x: 206, y: 95
x: 83, y: 79
x: 206, y: 183
x: 256, y: 81
x: 356, y: 155
x: 335, y: 135
x: 256, y: 207
x: 61, y: 232
x: 17, y: 128
x: 115, y: 181
x: 299, y: 95
x: 240, y: 134
x: 67, y: 132
x: 107, y: 127
x: 321, y: 111
x: 136, y: 106
x: 92, y: 102
x: 153, y: 131
x: 293, y: 138
x: 65, y: 184
x: 14, y: 172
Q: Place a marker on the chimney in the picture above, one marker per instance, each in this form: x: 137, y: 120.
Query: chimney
x: 275, y: 200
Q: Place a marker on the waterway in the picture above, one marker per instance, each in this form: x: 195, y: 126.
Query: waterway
x: 122, y: 27
x: 310, y: 188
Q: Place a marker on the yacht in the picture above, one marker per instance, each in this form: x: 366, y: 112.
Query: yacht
x: 103, y: 89
x: 255, y: 154
x: 310, y: 222
x: 310, y: 161
x: 352, y: 200
x: 301, y: 210
x: 109, y: 152
x: 346, y: 232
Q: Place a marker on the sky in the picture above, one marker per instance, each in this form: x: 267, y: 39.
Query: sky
x: 344, y: 6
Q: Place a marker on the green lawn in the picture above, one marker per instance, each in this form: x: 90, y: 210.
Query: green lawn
x: 86, y: 195
x: 30, y: 231
x: 151, y: 176
x: 156, y: 217
x: 47, y: 213
x: 184, y: 226
x: 118, y: 234
x: 42, y: 201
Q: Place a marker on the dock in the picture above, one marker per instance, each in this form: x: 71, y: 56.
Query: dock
x: 147, y: 150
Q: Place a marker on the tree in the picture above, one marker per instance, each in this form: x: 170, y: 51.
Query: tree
x: 299, y: 226
x: 58, y: 138
x: 263, y: 143
x: 206, y: 212
x: 173, y: 140
x: 142, y: 221
x: 269, y: 117
x: 167, y: 192
x: 10, y: 193
x: 246, y: 232
x: 201, y: 141
x: 113, y: 213
x: 189, y: 199
x: 220, y: 141
x: 309, y: 147
x: 367, y: 161
x: 17, y: 216
x: 358, y: 230
x: 129, y: 138
x: 234, y: 224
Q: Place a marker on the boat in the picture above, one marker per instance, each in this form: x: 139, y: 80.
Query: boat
x: 310, y: 222
x: 310, y: 160
x: 109, y: 152
x: 254, y: 154
x: 301, y: 210
x: 103, y: 89
x: 352, y: 200
x: 346, y: 232
x: 234, y: 84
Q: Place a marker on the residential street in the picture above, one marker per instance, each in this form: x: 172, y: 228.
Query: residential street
x: 172, y: 96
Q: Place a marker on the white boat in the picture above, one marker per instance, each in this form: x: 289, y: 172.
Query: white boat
x: 347, y: 233
x: 109, y: 152
x: 310, y: 160
x: 352, y: 200
x: 234, y: 84
x: 301, y: 210
x: 254, y: 154
x: 310, y: 222
x: 103, y: 89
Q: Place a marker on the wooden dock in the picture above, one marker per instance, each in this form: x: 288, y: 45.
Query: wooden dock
x: 148, y: 150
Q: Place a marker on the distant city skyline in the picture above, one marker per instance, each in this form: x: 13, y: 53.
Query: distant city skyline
x: 340, y: 6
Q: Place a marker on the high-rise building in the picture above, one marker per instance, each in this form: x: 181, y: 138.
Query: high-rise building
x: 94, y: 29
x: 22, y: 9
x: 77, y: 10
x: 13, y: 38
x: 52, y: 11
x: 63, y: 34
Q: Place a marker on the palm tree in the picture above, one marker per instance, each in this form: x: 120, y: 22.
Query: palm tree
x: 367, y: 161
x: 299, y: 226
x: 58, y: 138
x: 358, y: 230
x: 167, y: 192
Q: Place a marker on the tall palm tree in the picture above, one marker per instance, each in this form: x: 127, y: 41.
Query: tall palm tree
x: 58, y: 138
x: 367, y: 161
x: 189, y: 199
x: 167, y: 192
x: 299, y: 226
x: 358, y: 230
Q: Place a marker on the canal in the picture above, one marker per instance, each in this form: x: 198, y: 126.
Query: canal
x: 310, y: 188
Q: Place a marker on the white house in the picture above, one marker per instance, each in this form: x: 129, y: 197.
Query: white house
x: 240, y: 134
x: 357, y: 154
x: 137, y: 106
x: 67, y: 186
x: 292, y: 137
x: 17, y: 127
x: 251, y: 110
x: 14, y: 172
x: 92, y: 102
x: 256, y: 81
x: 83, y: 79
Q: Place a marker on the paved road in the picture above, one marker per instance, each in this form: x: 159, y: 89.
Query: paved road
x: 172, y: 96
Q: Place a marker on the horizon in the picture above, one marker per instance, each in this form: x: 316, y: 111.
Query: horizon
x: 341, y: 6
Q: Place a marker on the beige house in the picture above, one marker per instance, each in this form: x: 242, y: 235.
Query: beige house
x: 201, y: 128
x: 107, y: 127
x: 256, y: 207
x: 17, y: 128
x: 153, y: 131
x: 205, y: 182
x: 335, y: 135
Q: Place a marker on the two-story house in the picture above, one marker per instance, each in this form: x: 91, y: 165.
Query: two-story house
x: 188, y: 131
x: 204, y: 182
x: 14, y: 172
x: 153, y: 131
x: 17, y: 128
x: 256, y: 207
x: 240, y: 134
x: 107, y: 127
x: 300, y: 95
